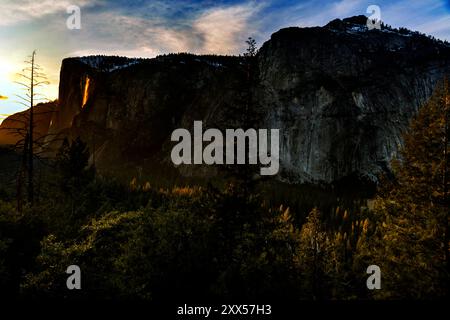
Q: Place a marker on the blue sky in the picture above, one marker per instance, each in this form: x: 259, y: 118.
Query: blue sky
x: 146, y: 28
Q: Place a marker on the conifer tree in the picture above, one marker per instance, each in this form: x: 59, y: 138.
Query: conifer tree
x: 75, y: 172
x: 312, y: 255
x: 413, y: 249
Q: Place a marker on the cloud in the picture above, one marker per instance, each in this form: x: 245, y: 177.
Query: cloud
x: 309, y: 13
x: 438, y: 25
x: 18, y: 11
x: 346, y: 7
x: 224, y: 30
x: 126, y: 35
x: 149, y: 28
x: 3, y: 97
x: 430, y: 17
x: 220, y: 30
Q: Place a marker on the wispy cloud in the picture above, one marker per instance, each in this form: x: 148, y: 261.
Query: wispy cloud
x: 436, y: 26
x: 146, y: 28
x: 18, y: 11
x: 431, y: 17
x: 345, y: 7
x: 224, y: 30
x: 126, y: 35
x: 220, y: 30
x: 149, y: 28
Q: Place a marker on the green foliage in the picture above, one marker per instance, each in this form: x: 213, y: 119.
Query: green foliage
x: 20, y: 235
x: 312, y: 253
x: 72, y: 162
x: 410, y: 242
x: 179, y: 248
x: 138, y: 241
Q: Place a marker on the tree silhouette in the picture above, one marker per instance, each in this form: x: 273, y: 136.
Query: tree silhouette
x: 251, y: 50
x: 72, y: 162
x: 33, y: 77
x: 414, y: 249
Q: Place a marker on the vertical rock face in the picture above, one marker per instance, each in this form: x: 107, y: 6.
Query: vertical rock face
x: 341, y: 96
x: 132, y: 106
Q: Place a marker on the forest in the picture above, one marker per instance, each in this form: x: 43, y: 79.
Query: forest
x: 144, y: 241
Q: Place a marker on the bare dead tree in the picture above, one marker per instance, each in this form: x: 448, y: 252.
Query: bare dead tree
x: 33, y: 78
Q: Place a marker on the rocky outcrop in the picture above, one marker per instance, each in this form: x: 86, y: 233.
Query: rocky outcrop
x: 341, y: 96
x: 14, y: 127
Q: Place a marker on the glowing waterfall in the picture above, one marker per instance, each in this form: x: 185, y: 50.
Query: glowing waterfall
x: 86, y: 92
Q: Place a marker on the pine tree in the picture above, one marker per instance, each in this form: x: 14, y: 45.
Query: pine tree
x: 75, y: 172
x: 312, y: 255
x: 252, y: 49
x: 413, y: 251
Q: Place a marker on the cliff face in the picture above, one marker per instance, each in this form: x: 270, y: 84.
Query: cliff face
x: 126, y: 110
x: 340, y: 95
x: 14, y: 127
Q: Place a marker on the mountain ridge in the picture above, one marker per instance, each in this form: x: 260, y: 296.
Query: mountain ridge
x: 341, y: 96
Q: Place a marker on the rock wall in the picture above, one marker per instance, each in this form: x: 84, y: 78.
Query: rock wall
x: 342, y: 99
x: 340, y: 95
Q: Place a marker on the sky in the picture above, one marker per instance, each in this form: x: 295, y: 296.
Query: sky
x: 146, y: 28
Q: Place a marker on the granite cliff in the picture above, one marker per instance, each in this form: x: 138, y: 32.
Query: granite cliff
x: 341, y: 96
x: 14, y: 127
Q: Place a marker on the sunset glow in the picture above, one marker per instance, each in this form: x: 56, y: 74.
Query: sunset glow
x: 152, y: 28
